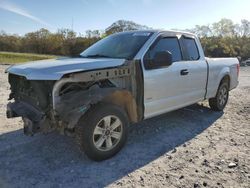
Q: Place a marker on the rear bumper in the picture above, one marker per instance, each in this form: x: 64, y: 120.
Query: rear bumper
x: 32, y: 118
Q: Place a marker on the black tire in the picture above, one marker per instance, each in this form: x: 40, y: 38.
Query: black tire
x: 93, y: 118
x: 217, y: 103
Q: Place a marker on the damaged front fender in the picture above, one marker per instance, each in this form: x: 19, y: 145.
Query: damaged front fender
x: 74, y: 104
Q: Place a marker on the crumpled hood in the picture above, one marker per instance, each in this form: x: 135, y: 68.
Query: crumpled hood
x: 54, y: 69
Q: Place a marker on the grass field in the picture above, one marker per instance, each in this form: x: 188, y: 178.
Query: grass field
x: 13, y: 58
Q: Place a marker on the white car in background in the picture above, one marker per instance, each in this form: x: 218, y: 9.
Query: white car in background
x: 246, y: 62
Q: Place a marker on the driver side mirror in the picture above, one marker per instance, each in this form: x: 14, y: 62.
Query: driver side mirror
x: 162, y: 59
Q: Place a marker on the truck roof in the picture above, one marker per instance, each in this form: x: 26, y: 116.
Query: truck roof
x: 161, y: 31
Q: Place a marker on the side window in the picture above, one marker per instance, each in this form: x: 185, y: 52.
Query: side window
x: 166, y: 44
x: 191, y: 48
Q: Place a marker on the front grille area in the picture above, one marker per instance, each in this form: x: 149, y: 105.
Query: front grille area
x: 21, y: 88
x: 34, y: 92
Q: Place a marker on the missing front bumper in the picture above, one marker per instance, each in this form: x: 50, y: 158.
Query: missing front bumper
x: 33, y: 119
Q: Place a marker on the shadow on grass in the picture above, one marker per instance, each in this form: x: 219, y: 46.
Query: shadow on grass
x: 53, y: 160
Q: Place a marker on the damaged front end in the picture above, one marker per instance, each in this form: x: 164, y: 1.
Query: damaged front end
x: 58, y: 105
x: 31, y: 102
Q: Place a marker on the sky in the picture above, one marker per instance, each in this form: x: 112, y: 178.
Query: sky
x: 22, y: 16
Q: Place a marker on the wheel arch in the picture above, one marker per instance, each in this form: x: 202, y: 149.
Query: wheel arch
x: 226, y: 78
x: 125, y: 100
x: 75, y: 104
x: 223, y: 75
x: 215, y: 102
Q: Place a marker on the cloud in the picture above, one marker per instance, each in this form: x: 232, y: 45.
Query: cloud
x: 6, y: 5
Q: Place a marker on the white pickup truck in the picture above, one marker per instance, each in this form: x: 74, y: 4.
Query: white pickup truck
x: 122, y: 79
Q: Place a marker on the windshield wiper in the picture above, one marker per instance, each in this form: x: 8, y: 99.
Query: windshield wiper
x: 97, y: 55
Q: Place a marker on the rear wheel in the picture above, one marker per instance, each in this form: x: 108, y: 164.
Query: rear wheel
x: 102, y: 132
x: 219, y: 102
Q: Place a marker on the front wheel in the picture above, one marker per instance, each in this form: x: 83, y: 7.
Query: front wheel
x: 102, y: 132
x: 219, y: 102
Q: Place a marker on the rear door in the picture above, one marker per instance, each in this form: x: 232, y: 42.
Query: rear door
x: 197, y: 68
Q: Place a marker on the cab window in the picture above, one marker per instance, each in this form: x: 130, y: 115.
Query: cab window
x: 191, y: 48
x: 170, y: 44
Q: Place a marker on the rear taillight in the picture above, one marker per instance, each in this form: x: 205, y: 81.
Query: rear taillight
x: 238, y: 69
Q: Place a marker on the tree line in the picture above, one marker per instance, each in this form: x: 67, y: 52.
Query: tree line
x: 64, y: 42
x: 220, y: 39
x: 225, y: 39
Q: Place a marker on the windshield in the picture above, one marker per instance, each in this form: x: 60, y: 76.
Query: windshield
x: 122, y: 45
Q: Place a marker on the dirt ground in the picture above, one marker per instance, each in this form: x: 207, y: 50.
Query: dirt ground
x: 190, y: 147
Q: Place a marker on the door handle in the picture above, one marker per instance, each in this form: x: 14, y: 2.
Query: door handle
x: 184, y: 72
